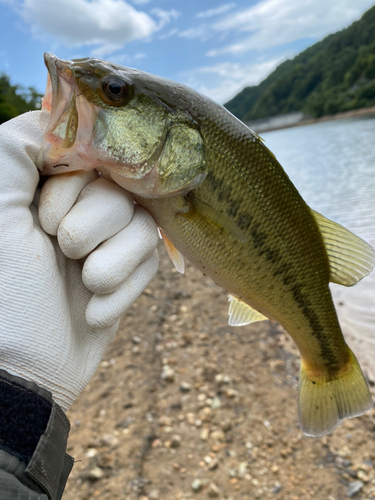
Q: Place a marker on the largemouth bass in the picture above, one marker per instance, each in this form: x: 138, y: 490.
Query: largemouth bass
x: 223, y: 201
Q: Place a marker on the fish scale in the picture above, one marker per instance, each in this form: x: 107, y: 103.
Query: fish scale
x: 224, y: 202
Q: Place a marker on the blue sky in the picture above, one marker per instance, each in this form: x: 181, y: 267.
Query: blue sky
x: 215, y: 47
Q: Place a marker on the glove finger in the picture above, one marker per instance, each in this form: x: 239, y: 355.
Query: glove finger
x: 117, y: 258
x: 102, y: 210
x: 58, y: 195
x: 105, y: 310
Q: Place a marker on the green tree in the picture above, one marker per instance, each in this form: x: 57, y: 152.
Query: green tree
x: 15, y: 99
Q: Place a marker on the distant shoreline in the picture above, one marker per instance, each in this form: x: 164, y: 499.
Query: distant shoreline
x: 310, y: 121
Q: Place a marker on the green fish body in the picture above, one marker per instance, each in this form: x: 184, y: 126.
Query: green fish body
x: 224, y: 202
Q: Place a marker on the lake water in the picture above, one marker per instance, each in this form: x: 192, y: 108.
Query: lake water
x: 332, y: 165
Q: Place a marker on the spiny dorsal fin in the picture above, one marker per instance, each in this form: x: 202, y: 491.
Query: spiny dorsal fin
x: 176, y: 257
x: 242, y: 314
x: 350, y: 258
x: 218, y: 218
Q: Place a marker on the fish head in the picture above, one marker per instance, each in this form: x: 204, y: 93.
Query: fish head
x: 134, y: 125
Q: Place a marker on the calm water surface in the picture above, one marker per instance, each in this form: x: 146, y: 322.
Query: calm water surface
x: 333, y: 166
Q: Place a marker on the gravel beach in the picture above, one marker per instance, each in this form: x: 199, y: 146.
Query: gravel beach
x: 185, y: 407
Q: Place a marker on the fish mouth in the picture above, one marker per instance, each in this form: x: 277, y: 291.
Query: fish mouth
x: 71, y: 121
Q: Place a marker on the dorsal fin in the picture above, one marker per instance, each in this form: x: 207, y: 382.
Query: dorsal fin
x: 350, y: 257
x: 242, y: 314
x: 176, y: 257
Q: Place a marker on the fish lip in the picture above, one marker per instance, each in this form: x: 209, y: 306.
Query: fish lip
x: 59, y: 95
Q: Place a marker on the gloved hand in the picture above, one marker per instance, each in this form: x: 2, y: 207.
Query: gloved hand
x: 56, y: 319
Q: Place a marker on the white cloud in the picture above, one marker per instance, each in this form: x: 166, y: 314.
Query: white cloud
x: 278, y: 22
x: 110, y: 24
x: 216, y: 12
x: 203, y: 32
x: 165, y: 16
x: 232, y: 77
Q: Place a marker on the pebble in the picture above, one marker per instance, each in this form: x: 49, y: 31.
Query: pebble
x: 185, y: 387
x: 167, y: 374
x: 154, y: 495
x: 109, y: 440
x: 213, y: 491
x: 231, y: 393
x: 196, y: 485
x: 213, y: 464
x: 354, y: 488
x: 217, y: 435
x: 216, y: 403
x: 190, y: 417
x: 164, y: 420
x: 242, y: 469
x: 175, y: 441
x: 136, y: 339
x: 95, y: 473
x: 204, y: 434
x: 226, y: 425
x: 91, y: 452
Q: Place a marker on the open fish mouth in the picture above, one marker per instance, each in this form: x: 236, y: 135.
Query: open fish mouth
x: 71, y: 121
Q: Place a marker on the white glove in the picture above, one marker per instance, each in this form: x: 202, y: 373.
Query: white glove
x: 56, y: 319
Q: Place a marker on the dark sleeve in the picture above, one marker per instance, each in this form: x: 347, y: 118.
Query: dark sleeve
x: 33, y: 436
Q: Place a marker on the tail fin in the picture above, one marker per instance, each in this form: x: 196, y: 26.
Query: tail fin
x: 324, y: 401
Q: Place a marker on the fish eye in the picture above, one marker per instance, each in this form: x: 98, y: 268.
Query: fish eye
x: 115, y: 90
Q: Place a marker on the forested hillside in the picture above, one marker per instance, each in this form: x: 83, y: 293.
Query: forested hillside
x: 334, y: 75
x: 15, y: 99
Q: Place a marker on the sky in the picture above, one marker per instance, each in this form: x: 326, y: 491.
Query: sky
x: 215, y: 47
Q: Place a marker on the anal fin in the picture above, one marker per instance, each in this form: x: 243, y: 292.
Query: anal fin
x: 176, y: 257
x: 242, y: 314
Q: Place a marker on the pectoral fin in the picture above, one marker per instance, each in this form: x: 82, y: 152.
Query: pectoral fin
x: 350, y: 258
x: 217, y: 218
x: 242, y: 314
x: 176, y: 257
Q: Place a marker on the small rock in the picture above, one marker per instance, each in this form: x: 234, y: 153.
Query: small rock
x: 185, y: 387
x: 216, y: 403
x: 175, y: 441
x: 124, y: 424
x: 361, y: 474
x: 206, y: 414
x: 231, y: 393
x: 164, y: 420
x: 202, y: 397
x: 226, y: 425
x: 95, y: 474
x: 213, y: 464
x: 204, y: 434
x: 190, y: 417
x: 207, y: 459
x: 136, y: 350
x: 213, y: 491
x: 154, y: 495
x: 196, y: 485
x: 217, y: 436
x: 136, y: 339
x: 109, y: 440
x: 242, y: 469
x: 354, y: 488
x: 167, y: 374
x: 232, y: 473
x: 91, y: 452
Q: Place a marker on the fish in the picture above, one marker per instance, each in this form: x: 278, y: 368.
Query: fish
x: 223, y: 201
